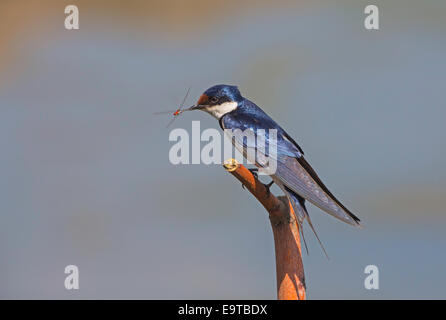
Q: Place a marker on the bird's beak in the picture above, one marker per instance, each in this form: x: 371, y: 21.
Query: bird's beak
x: 195, y: 107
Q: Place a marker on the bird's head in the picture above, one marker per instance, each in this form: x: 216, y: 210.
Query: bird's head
x: 219, y: 100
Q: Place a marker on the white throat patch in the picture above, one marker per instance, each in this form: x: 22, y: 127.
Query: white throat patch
x: 220, y: 110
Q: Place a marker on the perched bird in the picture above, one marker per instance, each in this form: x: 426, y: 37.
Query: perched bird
x: 293, y: 174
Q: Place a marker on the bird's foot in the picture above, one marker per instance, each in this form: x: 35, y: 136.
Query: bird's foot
x: 268, y: 186
x: 254, y: 172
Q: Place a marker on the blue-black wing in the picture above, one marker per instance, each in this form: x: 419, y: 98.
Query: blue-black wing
x: 292, y: 168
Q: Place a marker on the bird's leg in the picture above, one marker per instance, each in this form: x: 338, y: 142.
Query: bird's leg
x: 268, y: 186
x: 254, y: 172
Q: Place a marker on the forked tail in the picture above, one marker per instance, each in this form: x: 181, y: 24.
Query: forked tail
x: 301, y: 213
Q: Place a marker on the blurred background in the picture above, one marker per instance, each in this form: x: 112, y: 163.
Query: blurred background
x: 85, y: 175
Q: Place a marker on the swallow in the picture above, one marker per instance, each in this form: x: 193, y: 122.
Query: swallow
x: 293, y: 174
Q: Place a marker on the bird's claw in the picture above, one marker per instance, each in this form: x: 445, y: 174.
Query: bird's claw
x: 268, y: 186
x: 254, y: 172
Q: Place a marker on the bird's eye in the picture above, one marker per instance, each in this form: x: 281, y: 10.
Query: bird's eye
x: 214, y: 99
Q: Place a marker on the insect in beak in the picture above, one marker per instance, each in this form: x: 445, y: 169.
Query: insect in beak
x: 177, y: 112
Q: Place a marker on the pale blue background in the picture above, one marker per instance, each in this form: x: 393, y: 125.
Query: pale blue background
x: 85, y: 176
